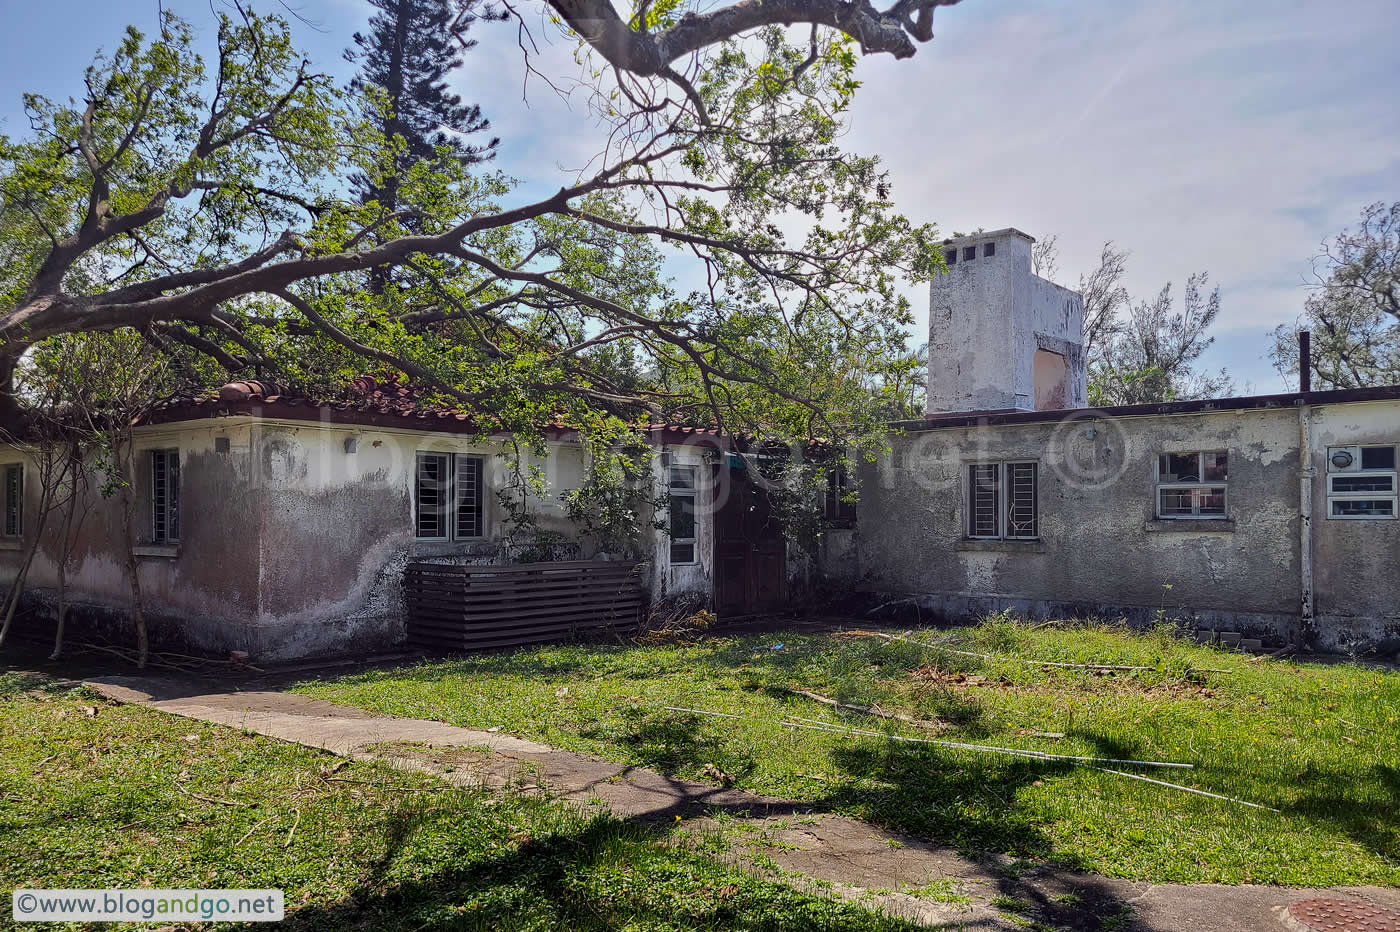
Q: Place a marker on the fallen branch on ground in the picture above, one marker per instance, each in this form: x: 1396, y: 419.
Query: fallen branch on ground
x: 296, y: 822
x: 868, y: 710
x: 389, y: 786
x: 215, y: 799
x: 815, y: 725
x: 252, y: 830
x: 167, y: 660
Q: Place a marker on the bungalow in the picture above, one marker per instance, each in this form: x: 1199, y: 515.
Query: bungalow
x: 282, y: 526
x: 1270, y: 517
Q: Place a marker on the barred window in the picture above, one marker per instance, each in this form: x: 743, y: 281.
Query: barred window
x: 448, y: 497
x: 469, y: 497
x: 1003, y: 501
x: 1192, y: 485
x: 430, y: 495
x: 14, y: 500
x: 165, y: 496
x: 682, y: 489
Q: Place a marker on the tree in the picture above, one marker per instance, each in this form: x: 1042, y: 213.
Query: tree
x: 1354, y: 309
x: 1105, y: 300
x: 86, y: 390
x: 198, y: 207
x: 404, y: 62
x: 656, y: 36
x: 1140, y: 352
x: 1150, y: 358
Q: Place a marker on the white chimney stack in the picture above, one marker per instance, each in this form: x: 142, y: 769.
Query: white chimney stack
x: 1001, y: 337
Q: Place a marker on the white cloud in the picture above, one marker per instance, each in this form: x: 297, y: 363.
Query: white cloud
x: 1198, y: 138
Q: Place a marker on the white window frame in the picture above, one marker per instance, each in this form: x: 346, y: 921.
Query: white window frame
x: 452, y: 488
x: 1003, y: 508
x: 1159, y: 486
x: 1364, y: 496
x: 18, y: 505
x: 693, y: 493
x: 169, y: 532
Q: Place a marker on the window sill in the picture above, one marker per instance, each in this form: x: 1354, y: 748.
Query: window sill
x: 1003, y: 546
x: 449, y: 548
x: 11, y: 543
x: 1190, y: 525
x: 167, y: 551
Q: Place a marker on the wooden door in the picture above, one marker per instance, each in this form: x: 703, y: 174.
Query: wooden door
x: 750, y: 558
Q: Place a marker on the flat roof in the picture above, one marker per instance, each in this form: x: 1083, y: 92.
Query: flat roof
x: 1203, y: 406
x: 990, y: 234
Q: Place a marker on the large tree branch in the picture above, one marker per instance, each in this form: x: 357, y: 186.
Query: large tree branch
x: 893, y: 30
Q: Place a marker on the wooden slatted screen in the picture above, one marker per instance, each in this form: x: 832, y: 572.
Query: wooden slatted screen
x: 454, y: 607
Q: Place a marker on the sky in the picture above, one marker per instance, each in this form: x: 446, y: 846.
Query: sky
x: 1231, y: 138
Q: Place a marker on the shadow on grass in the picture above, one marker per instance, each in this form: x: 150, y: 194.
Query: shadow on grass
x: 669, y: 742
x: 601, y: 874
x: 1360, y: 815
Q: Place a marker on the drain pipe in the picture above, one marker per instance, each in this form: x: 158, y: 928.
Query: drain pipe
x: 1307, y: 627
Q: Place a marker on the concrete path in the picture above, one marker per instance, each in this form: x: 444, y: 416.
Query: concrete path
x: 860, y: 862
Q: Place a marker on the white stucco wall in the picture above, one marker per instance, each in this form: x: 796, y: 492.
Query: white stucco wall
x: 293, y: 544
x: 1102, y: 550
x: 987, y: 317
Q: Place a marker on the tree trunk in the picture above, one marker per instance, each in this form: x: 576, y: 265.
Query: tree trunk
x: 17, y: 588
x: 138, y: 614
x: 65, y: 548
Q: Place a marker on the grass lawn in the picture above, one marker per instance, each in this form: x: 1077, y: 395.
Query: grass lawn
x: 96, y: 795
x: 1316, y: 741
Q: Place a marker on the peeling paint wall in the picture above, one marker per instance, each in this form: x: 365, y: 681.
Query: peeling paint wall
x: 294, y: 535
x: 988, y: 316
x: 203, y: 597
x: 1101, y: 549
x: 1357, y: 572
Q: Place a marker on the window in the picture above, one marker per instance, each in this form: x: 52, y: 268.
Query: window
x: 1192, y: 485
x: 989, y: 250
x: 1003, y: 501
x: 165, y: 496
x: 839, y: 510
x: 1361, y: 482
x: 969, y: 253
x: 449, y: 486
x: 950, y: 256
x: 682, y: 524
x: 469, y: 497
x: 14, y: 500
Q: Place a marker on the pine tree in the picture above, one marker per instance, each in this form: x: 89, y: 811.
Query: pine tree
x: 408, y: 53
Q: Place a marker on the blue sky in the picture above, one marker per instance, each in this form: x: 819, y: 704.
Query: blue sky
x: 1228, y: 137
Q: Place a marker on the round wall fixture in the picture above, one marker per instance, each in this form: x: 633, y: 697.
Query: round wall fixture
x: 1342, y: 459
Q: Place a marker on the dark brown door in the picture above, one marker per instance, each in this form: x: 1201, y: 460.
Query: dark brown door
x: 750, y: 557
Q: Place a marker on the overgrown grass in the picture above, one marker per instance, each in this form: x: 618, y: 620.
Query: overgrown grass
x: 1316, y: 741
x: 96, y: 795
